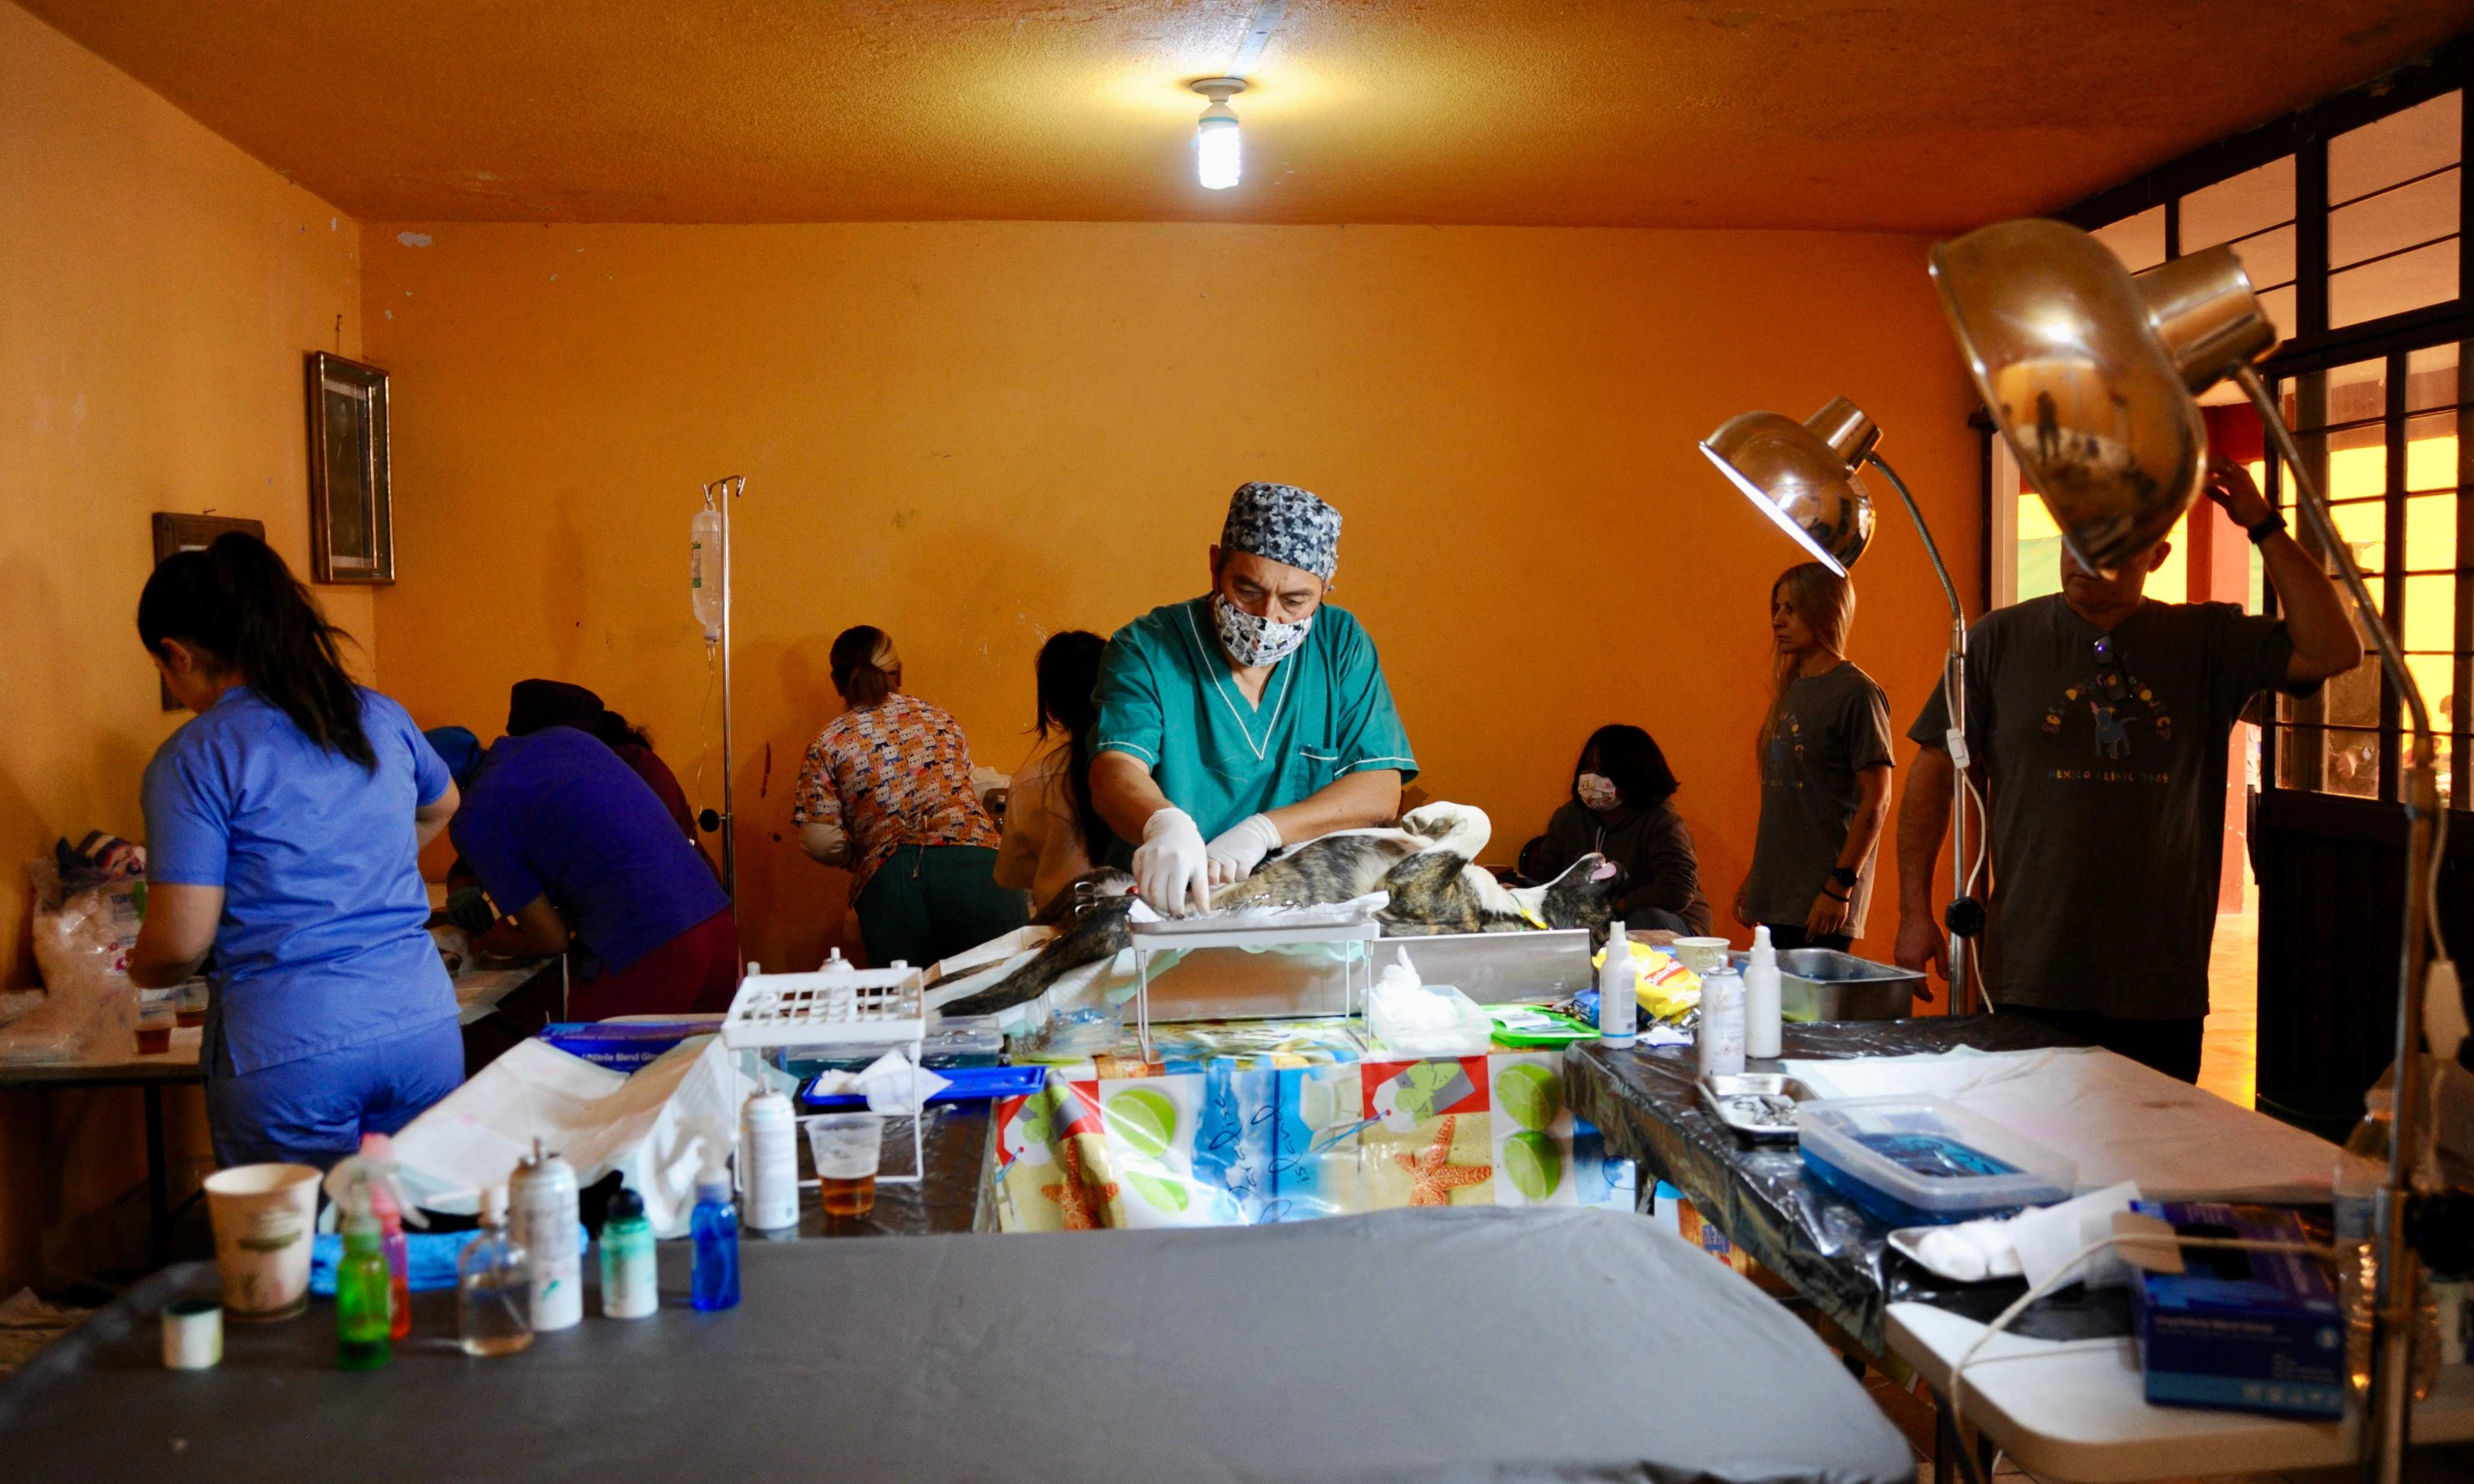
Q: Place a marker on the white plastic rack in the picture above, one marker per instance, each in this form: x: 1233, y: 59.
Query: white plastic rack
x: 838, y: 1008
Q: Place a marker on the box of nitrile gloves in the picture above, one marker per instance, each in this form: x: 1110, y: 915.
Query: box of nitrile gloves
x: 2236, y: 1330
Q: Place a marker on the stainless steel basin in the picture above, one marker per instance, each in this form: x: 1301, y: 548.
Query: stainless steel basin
x: 1823, y: 983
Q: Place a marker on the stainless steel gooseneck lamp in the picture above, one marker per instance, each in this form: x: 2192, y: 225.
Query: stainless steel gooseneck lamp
x: 2093, y: 377
x: 1803, y: 477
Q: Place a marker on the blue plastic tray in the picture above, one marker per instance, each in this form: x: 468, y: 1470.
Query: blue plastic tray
x: 968, y: 1085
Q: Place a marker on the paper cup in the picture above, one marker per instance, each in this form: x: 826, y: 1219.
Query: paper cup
x: 1701, y: 954
x: 261, y: 1215
x: 193, y: 1334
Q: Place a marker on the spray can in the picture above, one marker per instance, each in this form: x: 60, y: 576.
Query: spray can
x: 769, y: 1163
x: 543, y: 1196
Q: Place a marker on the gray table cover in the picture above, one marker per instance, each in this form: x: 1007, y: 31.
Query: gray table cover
x: 1451, y: 1344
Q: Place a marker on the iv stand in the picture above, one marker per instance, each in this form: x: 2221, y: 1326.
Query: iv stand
x: 1954, y: 670
x: 2389, y: 1408
x: 729, y: 487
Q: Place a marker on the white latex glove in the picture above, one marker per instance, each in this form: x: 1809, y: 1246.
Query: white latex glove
x: 1171, y: 867
x: 1240, y: 847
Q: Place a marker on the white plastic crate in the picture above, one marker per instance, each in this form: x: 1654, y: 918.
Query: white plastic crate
x: 835, y: 1006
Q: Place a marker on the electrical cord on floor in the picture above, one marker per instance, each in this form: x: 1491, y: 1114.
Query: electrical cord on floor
x: 2068, y: 1274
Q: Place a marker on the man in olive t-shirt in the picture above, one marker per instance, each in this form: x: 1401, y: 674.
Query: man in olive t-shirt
x: 2097, y: 721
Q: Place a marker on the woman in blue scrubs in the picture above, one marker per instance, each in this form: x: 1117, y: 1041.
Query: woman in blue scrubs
x: 283, y: 825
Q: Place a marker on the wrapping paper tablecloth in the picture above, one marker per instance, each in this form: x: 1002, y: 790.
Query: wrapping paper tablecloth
x: 1260, y: 1121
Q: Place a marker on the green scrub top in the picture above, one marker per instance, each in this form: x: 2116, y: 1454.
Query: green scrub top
x: 1167, y: 696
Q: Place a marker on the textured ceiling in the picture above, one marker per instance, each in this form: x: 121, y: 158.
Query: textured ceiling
x: 1901, y: 115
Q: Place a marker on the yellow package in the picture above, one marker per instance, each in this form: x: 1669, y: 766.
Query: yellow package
x: 1666, y: 990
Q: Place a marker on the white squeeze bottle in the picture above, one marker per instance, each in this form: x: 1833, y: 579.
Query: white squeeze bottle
x: 1721, y: 1041
x: 1618, y: 1005
x: 1762, y: 997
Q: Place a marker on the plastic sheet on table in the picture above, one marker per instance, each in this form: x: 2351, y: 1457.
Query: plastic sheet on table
x: 1827, y: 1248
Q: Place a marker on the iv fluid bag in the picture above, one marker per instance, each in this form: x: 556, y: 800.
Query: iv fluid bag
x: 707, y: 572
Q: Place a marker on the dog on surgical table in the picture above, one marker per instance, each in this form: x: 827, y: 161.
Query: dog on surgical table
x: 1425, y: 864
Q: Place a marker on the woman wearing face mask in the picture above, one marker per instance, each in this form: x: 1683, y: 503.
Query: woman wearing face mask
x: 886, y: 792
x: 1825, y: 758
x: 1623, y: 808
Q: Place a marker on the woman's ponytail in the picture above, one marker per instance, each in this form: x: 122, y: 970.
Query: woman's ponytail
x: 238, y: 601
x: 864, y: 664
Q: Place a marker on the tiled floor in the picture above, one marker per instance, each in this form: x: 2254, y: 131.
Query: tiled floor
x: 2229, y: 1049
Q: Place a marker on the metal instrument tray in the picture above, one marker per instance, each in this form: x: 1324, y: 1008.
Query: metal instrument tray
x: 1717, y: 1089
x: 1823, y: 983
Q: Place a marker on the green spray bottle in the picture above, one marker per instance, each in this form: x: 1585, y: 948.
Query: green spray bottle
x: 364, y: 1281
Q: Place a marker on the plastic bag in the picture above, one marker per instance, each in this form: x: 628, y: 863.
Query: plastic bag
x: 82, y: 943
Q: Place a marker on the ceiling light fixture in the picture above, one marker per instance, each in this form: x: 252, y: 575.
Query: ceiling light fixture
x: 1219, y: 159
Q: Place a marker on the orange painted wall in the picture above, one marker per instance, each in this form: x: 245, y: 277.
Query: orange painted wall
x: 158, y: 291
x: 975, y: 434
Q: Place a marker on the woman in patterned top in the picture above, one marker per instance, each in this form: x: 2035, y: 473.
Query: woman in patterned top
x: 886, y: 792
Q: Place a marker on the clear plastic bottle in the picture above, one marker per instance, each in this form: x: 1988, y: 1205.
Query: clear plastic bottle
x: 1618, y: 998
x: 494, y: 1301
x: 714, y: 1227
x: 1720, y: 1043
x: 2362, y: 1173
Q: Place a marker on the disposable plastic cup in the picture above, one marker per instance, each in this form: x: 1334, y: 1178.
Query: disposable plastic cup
x: 1701, y: 954
x: 261, y: 1215
x: 193, y: 1334
x: 154, y: 1033
x: 847, y: 1148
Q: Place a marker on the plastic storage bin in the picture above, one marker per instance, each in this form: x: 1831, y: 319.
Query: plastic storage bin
x: 1919, y: 1161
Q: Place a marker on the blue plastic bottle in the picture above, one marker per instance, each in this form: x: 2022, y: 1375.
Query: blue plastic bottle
x: 714, y: 1227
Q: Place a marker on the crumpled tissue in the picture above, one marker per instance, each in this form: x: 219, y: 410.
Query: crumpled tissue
x: 890, y: 1084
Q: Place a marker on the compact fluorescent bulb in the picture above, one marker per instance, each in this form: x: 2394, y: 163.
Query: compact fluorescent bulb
x: 1219, y: 158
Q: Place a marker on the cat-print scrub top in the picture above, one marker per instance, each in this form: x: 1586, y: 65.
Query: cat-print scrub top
x: 892, y: 774
x: 1168, y: 697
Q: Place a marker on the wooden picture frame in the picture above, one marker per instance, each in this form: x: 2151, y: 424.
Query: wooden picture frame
x: 351, y: 509
x: 177, y: 532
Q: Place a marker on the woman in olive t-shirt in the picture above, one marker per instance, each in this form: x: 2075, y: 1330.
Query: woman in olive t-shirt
x: 1825, y: 766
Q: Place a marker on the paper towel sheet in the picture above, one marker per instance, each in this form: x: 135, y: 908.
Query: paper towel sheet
x: 2118, y: 1120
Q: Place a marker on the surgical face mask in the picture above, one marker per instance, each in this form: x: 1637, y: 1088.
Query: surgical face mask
x: 1598, y: 792
x: 1253, y: 642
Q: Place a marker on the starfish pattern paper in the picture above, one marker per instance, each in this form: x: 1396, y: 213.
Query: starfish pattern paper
x: 1079, y: 1200
x: 1431, y: 1175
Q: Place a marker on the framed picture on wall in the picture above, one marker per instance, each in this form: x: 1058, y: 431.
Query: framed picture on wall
x: 351, y: 512
x: 178, y: 532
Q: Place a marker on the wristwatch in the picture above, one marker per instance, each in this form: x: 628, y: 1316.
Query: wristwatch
x: 2272, y: 525
x: 1844, y: 875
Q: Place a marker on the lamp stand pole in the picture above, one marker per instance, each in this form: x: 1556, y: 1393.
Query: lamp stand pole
x: 2397, y: 1306
x: 1953, y: 674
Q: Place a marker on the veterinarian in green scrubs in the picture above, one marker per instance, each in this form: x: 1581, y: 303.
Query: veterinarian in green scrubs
x: 1253, y: 716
